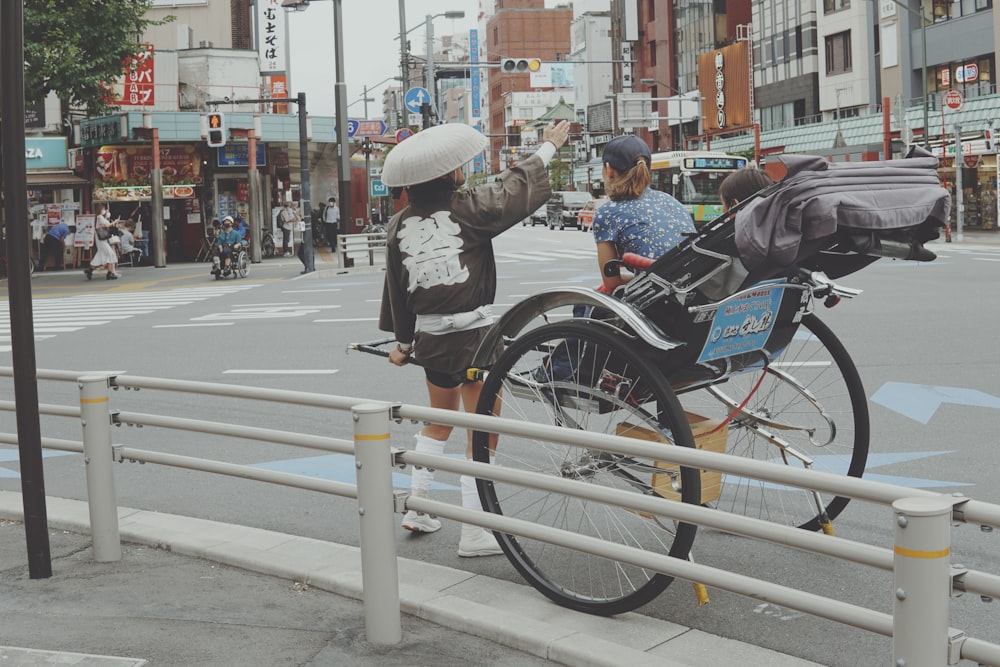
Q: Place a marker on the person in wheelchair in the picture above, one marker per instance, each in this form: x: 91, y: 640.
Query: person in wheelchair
x: 227, y: 244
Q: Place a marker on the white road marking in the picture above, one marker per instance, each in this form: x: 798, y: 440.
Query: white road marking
x: 199, y: 324
x: 291, y: 371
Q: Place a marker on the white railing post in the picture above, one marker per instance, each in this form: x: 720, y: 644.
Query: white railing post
x: 95, y: 418
x: 379, y: 570
x: 921, y: 581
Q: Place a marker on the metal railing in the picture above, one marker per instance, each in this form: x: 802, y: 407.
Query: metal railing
x: 923, y: 575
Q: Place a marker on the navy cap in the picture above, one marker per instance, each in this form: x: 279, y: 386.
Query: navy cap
x: 623, y: 152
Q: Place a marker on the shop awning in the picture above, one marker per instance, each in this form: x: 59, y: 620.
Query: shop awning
x: 38, y: 180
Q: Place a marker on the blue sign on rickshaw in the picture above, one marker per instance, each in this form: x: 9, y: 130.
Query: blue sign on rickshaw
x: 744, y: 323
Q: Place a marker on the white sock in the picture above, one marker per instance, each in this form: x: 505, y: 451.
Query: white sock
x: 421, y: 478
x: 470, y: 492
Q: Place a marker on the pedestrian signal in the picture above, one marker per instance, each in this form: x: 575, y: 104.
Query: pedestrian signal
x: 216, y: 130
x: 519, y: 65
x: 988, y: 136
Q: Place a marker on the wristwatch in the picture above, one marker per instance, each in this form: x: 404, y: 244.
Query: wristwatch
x: 405, y: 350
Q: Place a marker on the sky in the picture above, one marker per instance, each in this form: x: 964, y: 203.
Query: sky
x: 371, y: 54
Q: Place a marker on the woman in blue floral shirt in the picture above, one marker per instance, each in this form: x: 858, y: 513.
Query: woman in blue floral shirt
x: 637, y: 219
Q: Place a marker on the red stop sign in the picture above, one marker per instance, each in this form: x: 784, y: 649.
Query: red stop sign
x: 953, y: 100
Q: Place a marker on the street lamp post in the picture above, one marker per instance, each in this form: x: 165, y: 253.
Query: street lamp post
x: 923, y: 64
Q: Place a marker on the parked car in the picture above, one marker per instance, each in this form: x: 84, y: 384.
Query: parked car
x: 539, y: 217
x: 563, y: 208
x: 586, y: 215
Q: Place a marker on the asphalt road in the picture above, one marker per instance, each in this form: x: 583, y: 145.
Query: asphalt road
x: 921, y: 335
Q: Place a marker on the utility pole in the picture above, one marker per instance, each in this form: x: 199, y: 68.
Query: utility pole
x: 404, y: 55
x: 959, y: 195
x: 431, y: 83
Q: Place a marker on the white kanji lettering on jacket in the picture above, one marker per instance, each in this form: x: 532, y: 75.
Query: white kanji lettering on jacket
x: 431, y: 247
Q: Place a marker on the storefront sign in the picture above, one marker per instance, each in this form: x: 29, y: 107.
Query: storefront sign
x: 967, y: 73
x: 237, y: 154
x: 102, y: 130
x: 45, y: 153
x: 121, y: 173
x: 142, y: 192
x: 131, y: 165
x: 138, y: 85
x: 272, y: 49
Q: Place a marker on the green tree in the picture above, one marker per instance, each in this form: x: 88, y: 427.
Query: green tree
x: 75, y: 49
x: 558, y: 174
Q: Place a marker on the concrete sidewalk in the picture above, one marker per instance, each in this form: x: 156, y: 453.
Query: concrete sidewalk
x: 189, y: 591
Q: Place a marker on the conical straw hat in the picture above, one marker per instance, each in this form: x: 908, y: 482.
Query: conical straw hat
x: 431, y: 153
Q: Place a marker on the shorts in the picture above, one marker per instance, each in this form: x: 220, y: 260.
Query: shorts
x: 445, y: 380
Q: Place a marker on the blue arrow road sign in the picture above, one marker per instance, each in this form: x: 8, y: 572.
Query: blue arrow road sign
x: 415, y: 97
x: 919, y: 402
x: 378, y: 188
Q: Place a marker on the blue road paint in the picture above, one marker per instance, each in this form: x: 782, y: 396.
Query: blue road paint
x: 919, y: 402
x: 339, y: 468
x: 11, y: 454
x: 838, y: 465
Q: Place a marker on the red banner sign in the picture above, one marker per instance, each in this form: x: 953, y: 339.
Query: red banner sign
x: 137, y: 87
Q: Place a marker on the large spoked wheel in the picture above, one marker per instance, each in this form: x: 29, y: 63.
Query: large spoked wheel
x: 582, y: 376
x: 807, y: 409
x: 242, y: 264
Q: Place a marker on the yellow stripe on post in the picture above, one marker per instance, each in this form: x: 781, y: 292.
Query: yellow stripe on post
x: 361, y: 436
x: 103, y: 399
x: 915, y: 553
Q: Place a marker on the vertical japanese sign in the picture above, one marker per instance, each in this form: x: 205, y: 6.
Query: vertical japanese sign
x: 138, y: 85
x: 271, y: 46
x: 474, y: 72
x: 476, y: 92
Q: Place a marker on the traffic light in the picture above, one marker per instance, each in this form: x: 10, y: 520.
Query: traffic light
x: 988, y: 136
x: 520, y: 65
x: 216, y: 130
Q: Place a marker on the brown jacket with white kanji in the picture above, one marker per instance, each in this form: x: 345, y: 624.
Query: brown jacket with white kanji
x: 440, y: 260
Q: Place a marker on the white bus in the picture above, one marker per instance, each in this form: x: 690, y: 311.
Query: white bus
x: 693, y: 178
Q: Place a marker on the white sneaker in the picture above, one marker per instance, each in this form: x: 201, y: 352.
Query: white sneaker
x: 419, y: 522
x: 287, y: 254
x: 477, y: 541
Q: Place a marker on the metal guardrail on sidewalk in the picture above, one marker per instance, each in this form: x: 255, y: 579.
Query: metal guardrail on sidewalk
x: 923, y: 576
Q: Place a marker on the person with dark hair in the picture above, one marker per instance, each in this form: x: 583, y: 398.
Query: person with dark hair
x: 638, y: 219
x: 441, y: 278
x: 54, y: 245
x: 331, y: 219
x: 742, y: 184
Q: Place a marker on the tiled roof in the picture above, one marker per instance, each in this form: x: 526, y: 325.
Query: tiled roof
x: 866, y: 131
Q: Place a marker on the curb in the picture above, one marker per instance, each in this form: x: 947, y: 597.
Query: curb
x: 510, y: 614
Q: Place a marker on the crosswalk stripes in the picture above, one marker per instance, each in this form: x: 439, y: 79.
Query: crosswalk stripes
x: 53, y: 316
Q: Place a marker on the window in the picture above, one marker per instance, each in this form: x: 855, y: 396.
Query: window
x: 652, y: 54
x: 831, y: 6
x: 651, y: 10
x: 838, y: 53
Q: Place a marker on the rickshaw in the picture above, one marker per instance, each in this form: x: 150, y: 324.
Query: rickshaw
x: 716, y: 344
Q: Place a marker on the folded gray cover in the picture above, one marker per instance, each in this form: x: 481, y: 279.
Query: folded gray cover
x: 821, y: 198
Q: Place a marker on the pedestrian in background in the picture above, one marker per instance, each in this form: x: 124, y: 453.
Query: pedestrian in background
x: 54, y: 243
x: 105, y: 256
x: 331, y: 219
x: 441, y: 279
x: 287, y: 219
